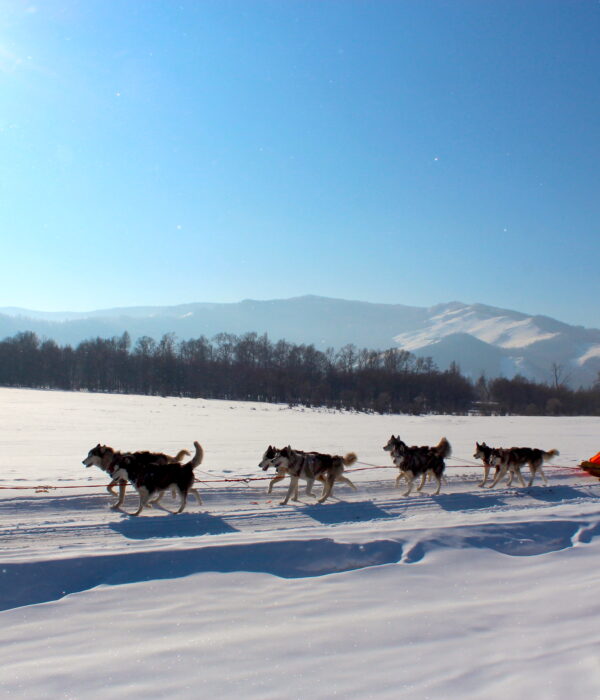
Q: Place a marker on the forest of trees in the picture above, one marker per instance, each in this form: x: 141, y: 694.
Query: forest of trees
x: 250, y: 367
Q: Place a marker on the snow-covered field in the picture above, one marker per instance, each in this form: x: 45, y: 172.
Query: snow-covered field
x: 469, y: 594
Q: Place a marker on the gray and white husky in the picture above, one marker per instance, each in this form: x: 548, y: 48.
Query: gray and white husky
x: 496, y: 458
x: 308, y: 466
x: 513, y: 458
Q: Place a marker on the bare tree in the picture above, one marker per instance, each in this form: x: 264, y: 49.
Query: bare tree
x: 560, y: 376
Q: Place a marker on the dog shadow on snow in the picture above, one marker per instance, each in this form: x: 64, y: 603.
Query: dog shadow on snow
x: 452, y: 502
x: 184, y: 525
x: 345, y: 512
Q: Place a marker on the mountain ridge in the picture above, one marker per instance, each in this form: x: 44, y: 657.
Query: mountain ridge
x: 478, y: 337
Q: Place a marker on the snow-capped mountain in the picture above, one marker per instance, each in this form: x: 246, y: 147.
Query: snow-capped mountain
x: 480, y: 339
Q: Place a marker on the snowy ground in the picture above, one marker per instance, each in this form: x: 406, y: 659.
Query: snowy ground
x: 468, y: 594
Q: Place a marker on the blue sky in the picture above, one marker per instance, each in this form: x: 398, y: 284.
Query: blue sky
x: 408, y: 152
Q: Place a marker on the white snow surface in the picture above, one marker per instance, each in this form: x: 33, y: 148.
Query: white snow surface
x: 502, y: 331
x: 469, y: 594
x: 591, y: 352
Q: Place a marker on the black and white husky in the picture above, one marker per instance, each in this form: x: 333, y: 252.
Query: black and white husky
x: 108, y: 459
x: 416, y: 461
x: 308, y: 466
x: 152, y: 480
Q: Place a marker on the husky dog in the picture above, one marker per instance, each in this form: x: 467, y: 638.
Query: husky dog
x: 281, y: 472
x: 516, y: 457
x: 108, y: 459
x: 308, y: 466
x: 416, y: 461
x: 494, y: 457
x: 152, y: 480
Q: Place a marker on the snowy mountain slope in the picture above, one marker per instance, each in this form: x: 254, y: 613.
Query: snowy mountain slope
x: 480, y: 338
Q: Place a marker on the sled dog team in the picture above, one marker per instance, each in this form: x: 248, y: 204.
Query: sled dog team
x: 154, y: 473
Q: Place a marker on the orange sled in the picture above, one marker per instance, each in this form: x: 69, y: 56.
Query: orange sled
x: 592, y: 465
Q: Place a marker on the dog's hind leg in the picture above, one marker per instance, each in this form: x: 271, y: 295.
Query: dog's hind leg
x: 439, y: 483
x: 424, y: 479
x: 184, y: 495
x: 156, y: 500
x: 327, y: 489
x: 543, y: 475
x: 346, y: 480
x: 144, y: 496
x: 197, y: 495
x: 309, y: 485
x: 532, y: 472
x: 519, y: 475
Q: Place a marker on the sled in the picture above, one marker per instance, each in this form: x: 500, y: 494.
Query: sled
x: 592, y: 465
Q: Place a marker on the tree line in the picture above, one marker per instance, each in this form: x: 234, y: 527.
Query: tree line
x: 251, y: 367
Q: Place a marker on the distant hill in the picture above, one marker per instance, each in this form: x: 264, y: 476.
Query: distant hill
x: 479, y: 338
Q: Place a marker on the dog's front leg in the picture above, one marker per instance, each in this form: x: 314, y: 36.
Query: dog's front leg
x: 486, y: 471
x: 401, y: 475
x: 519, y: 475
x: 424, y: 479
x: 409, y: 478
x: 291, y: 487
x: 121, y: 498
x: 499, y: 474
x: 309, y: 486
x: 273, y: 481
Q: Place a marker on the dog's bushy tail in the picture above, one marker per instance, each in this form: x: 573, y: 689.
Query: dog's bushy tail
x: 349, y: 459
x: 198, y: 456
x: 551, y: 453
x: 443, y: 448
x: 180, y: 455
